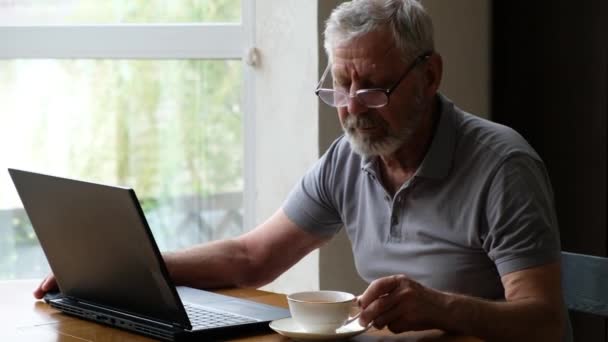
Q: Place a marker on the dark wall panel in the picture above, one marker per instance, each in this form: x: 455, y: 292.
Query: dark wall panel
x: 550, y: 83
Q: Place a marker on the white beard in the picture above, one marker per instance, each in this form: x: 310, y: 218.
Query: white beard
x: 368, y: 146
x: 386, y: 144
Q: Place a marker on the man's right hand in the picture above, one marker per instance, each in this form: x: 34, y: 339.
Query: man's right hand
x: 48, y: 284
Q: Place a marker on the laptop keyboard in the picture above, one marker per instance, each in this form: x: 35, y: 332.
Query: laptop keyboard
x: 202, y: 318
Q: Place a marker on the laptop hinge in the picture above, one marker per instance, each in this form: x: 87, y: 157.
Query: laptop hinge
x: 127, y: 314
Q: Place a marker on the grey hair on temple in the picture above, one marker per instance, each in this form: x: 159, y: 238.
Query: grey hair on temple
x: 408, y: 21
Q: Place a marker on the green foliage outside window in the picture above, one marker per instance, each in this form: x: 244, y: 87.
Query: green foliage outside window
x: 170, y: 129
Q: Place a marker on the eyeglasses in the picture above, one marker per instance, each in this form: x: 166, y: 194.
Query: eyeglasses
x: 372, y: 98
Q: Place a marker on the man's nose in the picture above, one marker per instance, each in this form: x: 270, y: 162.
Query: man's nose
x: 355, y: 106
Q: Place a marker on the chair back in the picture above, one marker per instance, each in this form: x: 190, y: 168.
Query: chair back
x: 585, y: 283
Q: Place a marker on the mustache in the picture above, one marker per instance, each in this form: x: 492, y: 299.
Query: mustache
x: 363, y: 121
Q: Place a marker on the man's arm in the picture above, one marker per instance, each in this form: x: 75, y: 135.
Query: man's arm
x: 533, y: 310
x: 250, y: 260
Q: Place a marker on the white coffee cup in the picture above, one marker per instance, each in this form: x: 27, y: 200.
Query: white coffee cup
x: 322, y: 311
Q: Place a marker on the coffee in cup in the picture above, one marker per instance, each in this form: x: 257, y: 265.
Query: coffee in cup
x: 322, y: 311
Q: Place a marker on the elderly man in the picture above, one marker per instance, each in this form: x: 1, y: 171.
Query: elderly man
x: 450, y: 216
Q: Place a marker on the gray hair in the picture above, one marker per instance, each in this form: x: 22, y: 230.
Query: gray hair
x: 408, y: 21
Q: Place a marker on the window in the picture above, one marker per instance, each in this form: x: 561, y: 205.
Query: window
x: 146, y: 94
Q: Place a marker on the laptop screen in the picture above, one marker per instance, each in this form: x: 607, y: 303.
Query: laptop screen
x: 99, y: 245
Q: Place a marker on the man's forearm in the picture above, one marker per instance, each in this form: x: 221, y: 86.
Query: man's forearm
x: 217, y: 264
x: 521, y: 320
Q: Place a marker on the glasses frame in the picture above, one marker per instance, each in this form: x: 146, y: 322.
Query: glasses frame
x: 387, y: 91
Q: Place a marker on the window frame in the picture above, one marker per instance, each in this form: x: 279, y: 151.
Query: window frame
x: 123, y: 41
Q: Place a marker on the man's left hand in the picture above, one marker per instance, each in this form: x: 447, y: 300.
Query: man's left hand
x: 400, y: 304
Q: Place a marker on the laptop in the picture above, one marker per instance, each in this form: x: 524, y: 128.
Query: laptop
x: 110, y: 270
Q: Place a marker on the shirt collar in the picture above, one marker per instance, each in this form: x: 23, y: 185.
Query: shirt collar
x: 438, y: 159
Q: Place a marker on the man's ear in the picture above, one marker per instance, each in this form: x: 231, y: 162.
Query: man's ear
x: 432, y: 74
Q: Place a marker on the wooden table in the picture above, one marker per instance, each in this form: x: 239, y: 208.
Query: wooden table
x: 22, y: 318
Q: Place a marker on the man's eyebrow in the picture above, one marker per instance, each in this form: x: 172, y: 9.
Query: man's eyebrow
x: 338, y: 75
x: 373, y: 77
x: 341, y: 78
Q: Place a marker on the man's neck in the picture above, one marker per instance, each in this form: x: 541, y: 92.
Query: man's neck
x: 398, y: 167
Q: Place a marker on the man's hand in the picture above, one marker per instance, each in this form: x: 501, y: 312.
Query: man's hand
x: 400, y: 304
x: 532, y: 310
x: 48, y: 284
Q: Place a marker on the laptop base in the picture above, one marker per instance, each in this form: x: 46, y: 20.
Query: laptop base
x: 150, y: 328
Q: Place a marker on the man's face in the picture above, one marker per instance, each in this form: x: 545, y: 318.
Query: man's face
x: 373, y: 61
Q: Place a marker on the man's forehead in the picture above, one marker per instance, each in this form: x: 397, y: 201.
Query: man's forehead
x: 365, y: 54
x: 358, y: 48
x: 363, y: 60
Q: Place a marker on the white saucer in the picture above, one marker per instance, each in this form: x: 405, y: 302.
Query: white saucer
x: 287, y: 327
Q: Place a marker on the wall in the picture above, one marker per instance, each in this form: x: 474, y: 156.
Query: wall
x: 285, y: 115
x: 463, y: 38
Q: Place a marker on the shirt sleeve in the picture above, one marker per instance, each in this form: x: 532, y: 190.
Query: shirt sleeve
x: 522, y: 230
x: 311, y: 204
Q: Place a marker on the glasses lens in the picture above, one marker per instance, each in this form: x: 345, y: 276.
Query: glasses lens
x: 332, y: 97
x: 373, y: 98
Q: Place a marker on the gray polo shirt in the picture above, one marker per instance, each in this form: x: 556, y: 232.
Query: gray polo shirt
x: 479, y: 206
